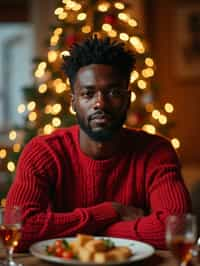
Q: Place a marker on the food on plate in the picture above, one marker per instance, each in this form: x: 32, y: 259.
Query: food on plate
x: 86, y: 248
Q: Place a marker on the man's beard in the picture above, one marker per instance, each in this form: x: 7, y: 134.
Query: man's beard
x: 104, y: 134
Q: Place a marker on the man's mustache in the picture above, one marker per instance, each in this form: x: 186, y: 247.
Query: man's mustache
x: 99, y: 114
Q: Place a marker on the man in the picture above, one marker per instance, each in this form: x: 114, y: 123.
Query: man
x: 98, y: 178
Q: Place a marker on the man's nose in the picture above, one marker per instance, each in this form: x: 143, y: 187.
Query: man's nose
x: 99, y: 100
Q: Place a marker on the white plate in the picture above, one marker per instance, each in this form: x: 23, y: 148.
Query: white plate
x: 140, y: 250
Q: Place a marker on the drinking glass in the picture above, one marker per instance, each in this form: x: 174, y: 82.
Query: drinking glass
x: 10, y: 232
x: 181, y: 234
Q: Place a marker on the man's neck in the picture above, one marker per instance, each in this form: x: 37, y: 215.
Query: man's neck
x: 99, y: 150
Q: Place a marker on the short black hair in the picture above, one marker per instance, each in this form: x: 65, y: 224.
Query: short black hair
x: 96, y: 50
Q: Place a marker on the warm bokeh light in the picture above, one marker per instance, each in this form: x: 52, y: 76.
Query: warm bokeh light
x: 52, y: 56
x: 149, y: 128
x: 148, y: 72
x: 56, y: 122
x: 176, y: 143
x: 16, y: 147
x: 31, y: 105
x: 106, y: 27
x: 169, y: 108
x: 11, y: 166
x: 86, y: 29
x: 3, y: 153
x: 12, y: 135
x: 134, y: 76
x: 119, y: 5
x: 162, y: 119
x: 142, y: 84
x: 56, y: 108
x: 123, y: 16
x: 149, y: 62
x: 48, y: 129
x: 82, y: 16
x: 42, y: 88
x: 103, y: 7
x: 132, y: 22
x: 156, y: 114
x: 21, y: 108
x: 112, y: 33
x: 133, y: 96
x: 32, y: 116
x: 59, y: 11
x: 124, y: 36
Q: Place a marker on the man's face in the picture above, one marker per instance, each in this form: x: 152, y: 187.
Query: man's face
x: 100, y: 99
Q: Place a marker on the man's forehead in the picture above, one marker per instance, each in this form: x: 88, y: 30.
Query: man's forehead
x: 97, y: 73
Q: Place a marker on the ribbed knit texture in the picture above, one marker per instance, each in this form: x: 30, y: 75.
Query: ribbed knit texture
x: 63, y: 192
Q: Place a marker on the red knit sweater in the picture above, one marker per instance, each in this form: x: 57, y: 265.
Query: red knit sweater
x: 62, y: 191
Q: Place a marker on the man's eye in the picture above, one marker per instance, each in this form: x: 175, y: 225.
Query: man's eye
x: 115, y: 92
x: 87, y: 93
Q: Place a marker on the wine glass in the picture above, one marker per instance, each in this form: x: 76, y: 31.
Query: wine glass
x: 10, y: 231
x: 181, y: 234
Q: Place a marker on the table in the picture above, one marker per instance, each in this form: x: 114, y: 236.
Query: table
x: 160, y: 258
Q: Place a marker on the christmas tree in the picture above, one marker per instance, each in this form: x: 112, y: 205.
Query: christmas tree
x: 48, y: 103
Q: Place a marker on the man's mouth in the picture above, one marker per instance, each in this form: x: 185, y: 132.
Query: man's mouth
x: 100, y: 118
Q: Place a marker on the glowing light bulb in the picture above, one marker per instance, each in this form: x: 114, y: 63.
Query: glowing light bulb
x: 149, y: 128
x: 12, y: 135
x: 103, y: 7
x: 86, y: 29
x: 175, y: 143
x: 48, y: 109
x: 112, y: 33
x: 60, y: 88
x: 3, y: 153
x: 11, y: 166
x: 31, y: 105
x: 32, y: 116
x: 56, y: 122
x: 48, y: 129
x: 147, y: 72
x: 133, y: 96
x: 142, y: 84
x: 106, y: 27
x: 156, y: 114
x: 42, y: 88
x: 169, y: 108
x: 119, y: 5
x: 21, y: 108
x: 162, y: 119
x: 149, y: 62
x: 134, y: 76
x: 52, y: 56
x: 58, y: 11
x: 76, y: 7
x: 124, y: 36
x: 82, y: 16
x: 58, y: 31
x: 56, y: 108
x: 63, y: 16
x: 132, y: 22
x: 16, y: 147
x: 123, y: 16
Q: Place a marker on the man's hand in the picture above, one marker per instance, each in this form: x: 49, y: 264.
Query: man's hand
x: 127, y: 213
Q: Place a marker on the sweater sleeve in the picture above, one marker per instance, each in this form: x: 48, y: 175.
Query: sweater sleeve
x: 31, y: 190
x: 165, y: 194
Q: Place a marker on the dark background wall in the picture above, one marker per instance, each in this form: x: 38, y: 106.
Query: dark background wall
x: 167, y: 35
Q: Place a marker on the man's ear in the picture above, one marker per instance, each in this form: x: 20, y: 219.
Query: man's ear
x: 73, y: 102
x: 129, y: 97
